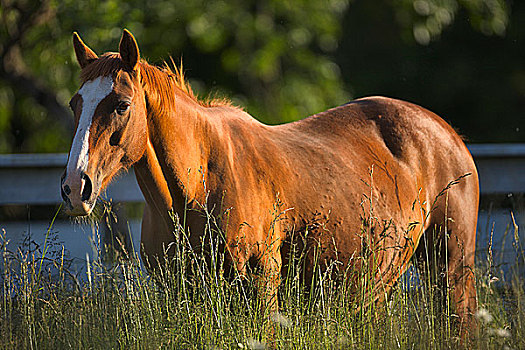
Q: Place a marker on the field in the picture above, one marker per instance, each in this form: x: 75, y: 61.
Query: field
x: 188, y: 304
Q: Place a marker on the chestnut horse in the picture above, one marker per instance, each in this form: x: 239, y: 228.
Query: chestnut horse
x: 375, y: 174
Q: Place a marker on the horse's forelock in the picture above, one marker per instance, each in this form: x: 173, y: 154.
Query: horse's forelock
x: 107, y: 65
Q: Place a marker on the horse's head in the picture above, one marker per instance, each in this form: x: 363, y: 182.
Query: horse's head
x: 110, y: 116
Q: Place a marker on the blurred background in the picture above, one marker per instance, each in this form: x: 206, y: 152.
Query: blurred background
x: 280, y: 60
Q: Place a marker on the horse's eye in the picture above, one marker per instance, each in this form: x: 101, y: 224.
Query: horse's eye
x: 123, y: 107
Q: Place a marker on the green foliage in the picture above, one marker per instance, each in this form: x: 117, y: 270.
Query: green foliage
x: 277, y: 59
x: 265, y: 55
x: 427, y: 19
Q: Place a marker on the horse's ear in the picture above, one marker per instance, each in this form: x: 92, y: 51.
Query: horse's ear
x: 84, y: 54
x: 129, y: 50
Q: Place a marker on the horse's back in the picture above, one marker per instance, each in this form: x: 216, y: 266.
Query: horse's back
x: 398, y: 124
x: 391, y: 131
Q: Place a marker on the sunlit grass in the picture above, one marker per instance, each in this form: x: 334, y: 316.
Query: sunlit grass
x: 190, y: 304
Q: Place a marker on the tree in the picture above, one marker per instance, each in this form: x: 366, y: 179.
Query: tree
x: 275, y: 58
x: 263, y: 54
x: 472, y: 77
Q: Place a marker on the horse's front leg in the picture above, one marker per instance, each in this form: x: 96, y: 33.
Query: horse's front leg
x: 269, y: 281
x: 267, y: 277
x: 268, y: 287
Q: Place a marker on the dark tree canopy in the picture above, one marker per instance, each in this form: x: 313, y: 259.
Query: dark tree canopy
x: 280, y: 60
x: 470, y: 74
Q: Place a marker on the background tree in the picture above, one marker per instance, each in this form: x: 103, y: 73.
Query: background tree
x: 281, y: 60
x: 470, y: 71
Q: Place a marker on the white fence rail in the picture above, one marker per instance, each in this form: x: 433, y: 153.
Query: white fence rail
x: 35, y: 178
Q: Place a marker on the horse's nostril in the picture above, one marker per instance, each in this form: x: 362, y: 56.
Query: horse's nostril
x: 67, y: 190
x: 88, y: 188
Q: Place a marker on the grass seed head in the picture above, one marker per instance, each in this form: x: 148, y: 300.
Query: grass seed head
x: 484, y: 315
x: 281, y: 320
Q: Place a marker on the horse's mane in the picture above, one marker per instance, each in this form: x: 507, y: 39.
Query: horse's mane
x: 163, y: 80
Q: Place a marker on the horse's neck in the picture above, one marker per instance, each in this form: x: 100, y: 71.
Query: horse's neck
x: 171, y: 170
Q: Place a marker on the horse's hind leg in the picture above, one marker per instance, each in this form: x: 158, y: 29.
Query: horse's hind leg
x: 450, y: 251
x: 461, y: 246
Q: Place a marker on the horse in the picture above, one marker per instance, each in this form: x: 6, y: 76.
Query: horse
x: 375, y: 174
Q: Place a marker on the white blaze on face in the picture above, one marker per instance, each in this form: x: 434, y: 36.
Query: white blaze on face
x: 92, y: 93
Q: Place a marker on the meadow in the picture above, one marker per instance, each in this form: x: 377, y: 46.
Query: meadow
x: 189, y: 304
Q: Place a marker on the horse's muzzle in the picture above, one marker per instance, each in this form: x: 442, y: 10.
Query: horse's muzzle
x: 77, y: 192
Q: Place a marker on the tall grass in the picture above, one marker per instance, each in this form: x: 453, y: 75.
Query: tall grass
x: 188, y: 303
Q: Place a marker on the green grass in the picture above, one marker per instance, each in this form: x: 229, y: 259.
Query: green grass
x: 188, y: 304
